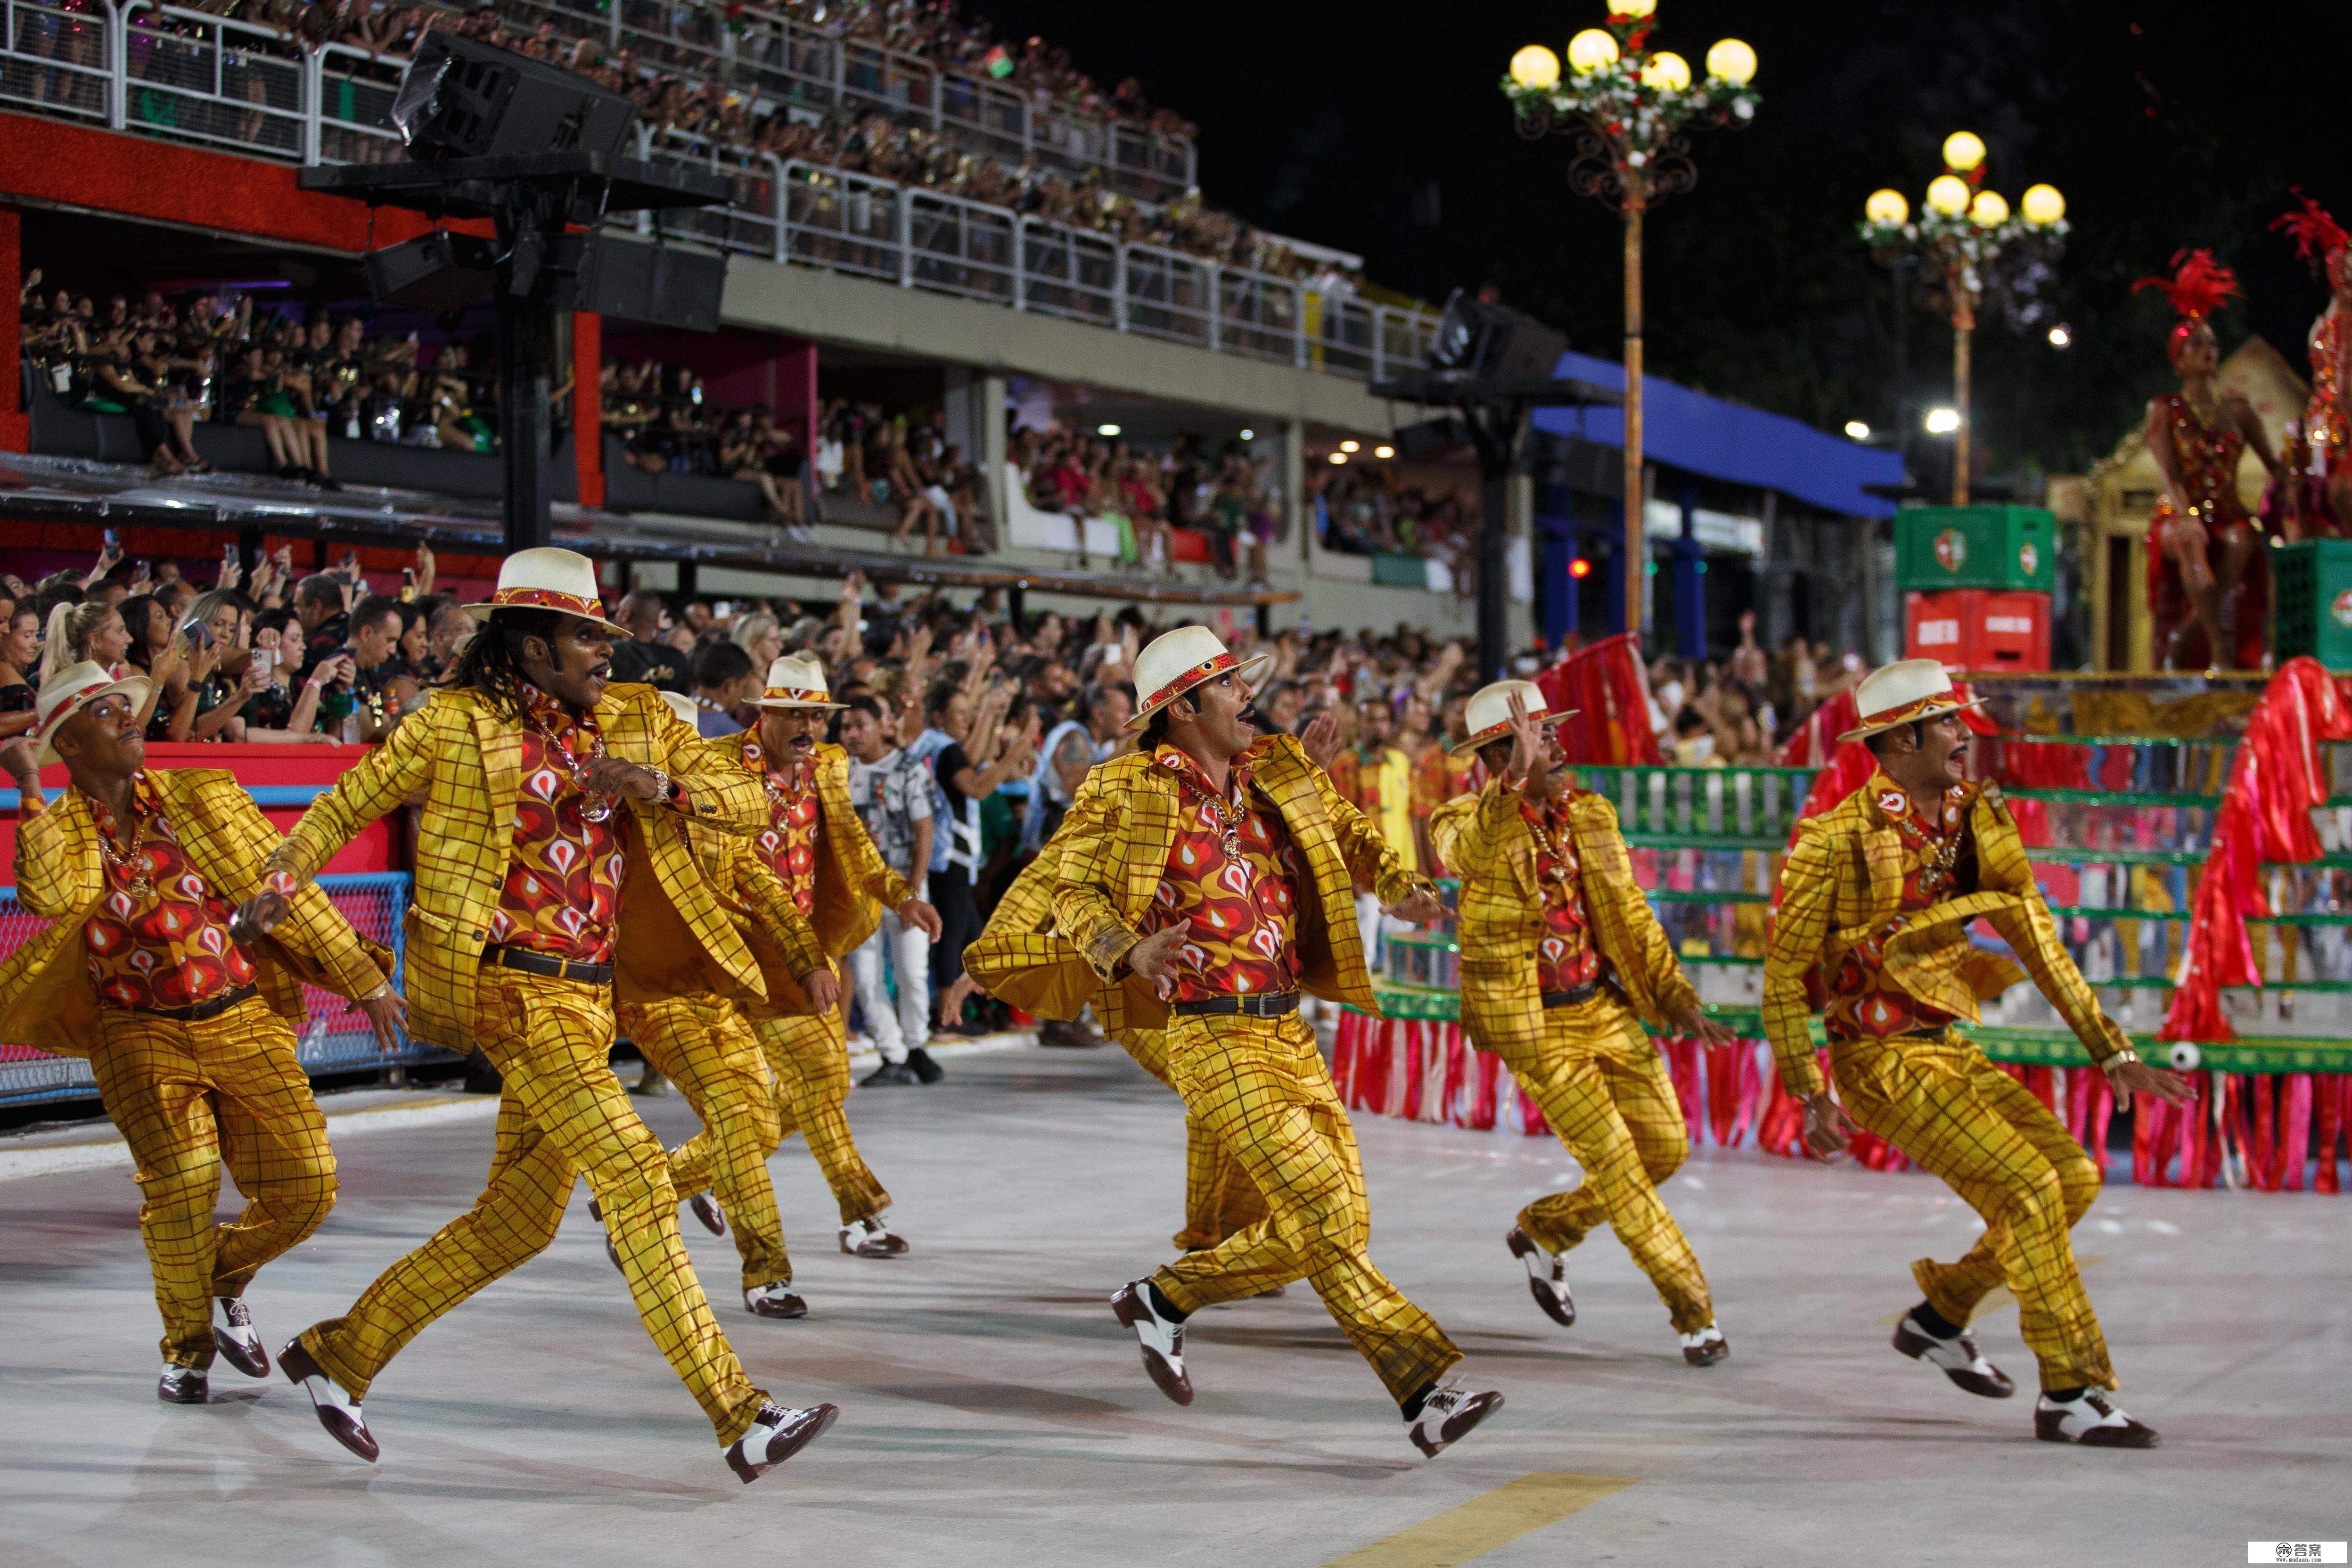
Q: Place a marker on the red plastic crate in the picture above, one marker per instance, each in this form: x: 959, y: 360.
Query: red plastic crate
x: 1979, y: 629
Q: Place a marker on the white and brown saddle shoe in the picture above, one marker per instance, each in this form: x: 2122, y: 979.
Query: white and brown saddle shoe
x: 705, y: 1209
x: 1960, y: 1357
x: 1447, y: 1415
x: 779, y: 1434
x: 338, y: 1412
x: 2093, y: 1420
x: 183, y: 1385
x: 1547, y: 1277
x: 1705, y: 1347
x: 775, y: 1299
x: 1161, y: 1338
x: 238, y: 1341
x: 871, y: 1238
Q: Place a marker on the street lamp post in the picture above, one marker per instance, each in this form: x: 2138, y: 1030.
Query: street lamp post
x: 1961, y: 231
x: 1628, y: 109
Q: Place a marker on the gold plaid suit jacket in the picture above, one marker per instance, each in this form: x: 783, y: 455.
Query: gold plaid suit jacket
x: 1115, y: 842
x: 854, y: 883
x: 1842, y: 884
x: 466, y: 760
x: 46, y: 997
x: 1483, y: 839
x: 1021, y: 926
x: 783, y: 945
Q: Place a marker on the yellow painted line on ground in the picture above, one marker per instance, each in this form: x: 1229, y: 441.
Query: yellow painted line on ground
x: 1495, y: 1519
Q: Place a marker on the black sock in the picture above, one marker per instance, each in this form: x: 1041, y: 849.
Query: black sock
x: 1162, y: 1305
x: 1412, y: 1408
x: 2063, y: 1395
x: 1933, y: 1322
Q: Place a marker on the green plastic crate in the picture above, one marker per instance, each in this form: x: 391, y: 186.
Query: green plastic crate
x: 1939, y: 547
x: 2311, y: 599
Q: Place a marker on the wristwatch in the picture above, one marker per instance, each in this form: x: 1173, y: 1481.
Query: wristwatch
x: 662, y: 786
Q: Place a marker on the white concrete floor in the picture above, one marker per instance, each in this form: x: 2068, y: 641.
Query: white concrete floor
x: 993, y: 1413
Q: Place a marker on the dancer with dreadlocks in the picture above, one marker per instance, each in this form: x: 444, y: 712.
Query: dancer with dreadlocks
x: 2204, y: 552
x: 540, y: 784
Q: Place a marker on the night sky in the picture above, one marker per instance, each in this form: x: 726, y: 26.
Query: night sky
x: 1353, y: 127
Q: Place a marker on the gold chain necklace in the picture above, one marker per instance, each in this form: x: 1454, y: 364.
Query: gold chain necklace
x: 1229, y: 817
x: 136, y: 860
x: 1555, y: 848
x: 594, y: 807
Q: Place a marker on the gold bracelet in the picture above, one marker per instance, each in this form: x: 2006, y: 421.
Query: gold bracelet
x: 2121, y: 1058
x: 382, y: 990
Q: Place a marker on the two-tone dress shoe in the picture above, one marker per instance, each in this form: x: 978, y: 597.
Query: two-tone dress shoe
x: 1705, y: 1347
x: 183, y: 1385
x: 775, y: 1437
x: 707, y: 1209
x: 1547, y: 1277
x: 338, y: 1412
x: 775, y: 1299
x: 869, y: 1237
x: 1448, y: 1414
x: 1960, y: 1357
x: 238, y: 1341
x: 1161, y: 1338
x: 2093, y: 1420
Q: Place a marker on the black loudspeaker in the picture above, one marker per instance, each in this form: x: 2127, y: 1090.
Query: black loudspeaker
x: 653, y: 283
x: 462, y: 98
x: 437, y: 271
x: 1493, y: 343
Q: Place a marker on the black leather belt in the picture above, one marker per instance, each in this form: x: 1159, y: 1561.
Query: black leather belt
x: 202, y: 1010
x: 524, y: 961
x: 1274, y: 1005
x: 1575, y: 998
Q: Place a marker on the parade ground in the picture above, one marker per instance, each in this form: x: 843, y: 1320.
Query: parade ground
x: 992, y: 1412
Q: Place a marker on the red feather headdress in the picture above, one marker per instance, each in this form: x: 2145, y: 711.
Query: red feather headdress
x: 2198, y: 286
x: 2317, y: 237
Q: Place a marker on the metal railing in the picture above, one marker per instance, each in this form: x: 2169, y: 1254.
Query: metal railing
x: 187, y: 75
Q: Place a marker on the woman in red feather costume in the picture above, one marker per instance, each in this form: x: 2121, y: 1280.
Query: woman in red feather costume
x: 2204, y: 552
x: 2321, y: 454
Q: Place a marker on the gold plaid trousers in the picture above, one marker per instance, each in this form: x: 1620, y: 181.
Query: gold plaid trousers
x: 1219, y: 1196
x: 1260, y: 1088
x: 2000, y: 1148
x: 1605, y: 1091
x: 191, y: 1097
x: 809, y: 1058
x: 562, y: 1113
x: 705, y: 1046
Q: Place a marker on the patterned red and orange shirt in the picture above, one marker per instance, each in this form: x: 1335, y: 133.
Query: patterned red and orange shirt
x: 160, y: 937
x: 794, y: 816
x: 562, y: 890
x: 1241, y: 908
x: 1565, y: 957
x: 1863, y: 1004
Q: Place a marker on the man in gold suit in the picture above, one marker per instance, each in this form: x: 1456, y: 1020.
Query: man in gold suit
x: 812, y: 838
x: 1218, y: 869
x: 187, y: 1022
x: 1562, y: 962
x: 1875, y: 904
x: 541, y: 786
x: 704, y: 1043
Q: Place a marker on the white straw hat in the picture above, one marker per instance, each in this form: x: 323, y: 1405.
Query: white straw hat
x: 797, y: 681
x: 1903, y: 692
x: 551, y: 579
x: 1489, y: 714
x: 1175, y: 662
x: 69, y: 691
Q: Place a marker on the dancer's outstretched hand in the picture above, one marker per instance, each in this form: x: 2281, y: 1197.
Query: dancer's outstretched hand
x: 1421, y: 908
x: 1157, y: 955
x: 822, y: 988
x: 1828, y: 1128
x: 1694, y: 1022
x: 2139, y: 1077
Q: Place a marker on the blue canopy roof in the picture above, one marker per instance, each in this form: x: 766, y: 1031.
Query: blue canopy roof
x: 1729, y: 441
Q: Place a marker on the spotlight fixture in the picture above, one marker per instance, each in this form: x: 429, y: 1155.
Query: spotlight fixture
x: 1339, y: 458
x: 1943, y: 421
x: 2061, y: 336
x: 1856, y: 430
x: 1384, y: 451
x: 1106, y: 429
x: 1351, y: 447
